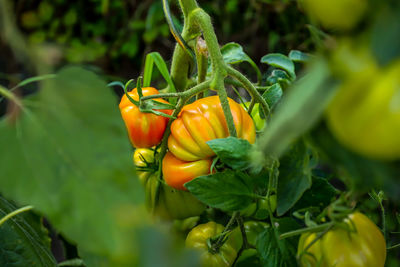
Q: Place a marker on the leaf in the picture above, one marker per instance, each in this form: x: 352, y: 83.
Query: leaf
x: 280, y: 61
x: 232, y: 151
x: 35, y: 79
x: 319, y: 195
x: 299, y: 109
x: 156, y: 58
x: 272, y: 96
x: 274, y: 251
x: 228, y: 190
x: 384, y: 40
x: 294, y: 176
x: 233, y: 53
x: 298, y: 56
x: 23, y: 239
x: 69, y: 157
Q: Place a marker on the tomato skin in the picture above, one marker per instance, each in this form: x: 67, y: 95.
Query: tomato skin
x: 365, y: 113
x: 177, y: 172
x: 338, y: 14
x: 162, y: 200
x: 144, y: 129
x: 197, y: 239
x: 364, y: 248
x: 252, y: 229
x: 202, y: 121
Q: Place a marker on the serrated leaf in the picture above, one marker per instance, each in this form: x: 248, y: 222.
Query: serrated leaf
x: 23, y: 239
x: 232, y: 151
x: 294, y: 176
x: 280, y: 61
x: 69, y: 156
x: 228, y: 190
x: 274, y: 251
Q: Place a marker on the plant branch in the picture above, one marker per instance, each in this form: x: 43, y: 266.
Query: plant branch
x: 250, y: 88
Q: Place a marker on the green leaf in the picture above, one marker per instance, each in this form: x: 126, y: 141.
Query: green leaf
x: 23, y: 239
x: 35, y: 79
x: 228, y: 190
x: 280, y: 61
x: 272, y: 96
x: 319, y: 195
x: 274, y: 251
x: 298, y: 56
x: 294, y: 176
x: 233, y: 53
x: 69, y: 157
x: 299, y: 109
x: 249, y: 257
x: 232, y: 151
x: 156, y: 58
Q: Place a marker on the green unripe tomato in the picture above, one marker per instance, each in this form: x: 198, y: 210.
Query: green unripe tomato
x: 263, y: 206
x: 336, y: 14
x: 198, y: 238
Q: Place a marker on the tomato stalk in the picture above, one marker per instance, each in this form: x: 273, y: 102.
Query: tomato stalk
x: 222, y: 237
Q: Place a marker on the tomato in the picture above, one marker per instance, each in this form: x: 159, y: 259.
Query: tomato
x: 144, y: 129
x: 141, y: 158
x: 338, y: 14
x: 365, y: 247
x: 162, y: 200
x: 252, y: 229
x: 255, y: 114
x: 177, y: 172
x: 202, y: 121
x: 365, y: 113
x: 198, y: 239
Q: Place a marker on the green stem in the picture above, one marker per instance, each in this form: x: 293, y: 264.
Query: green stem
x: 10, y: 96
x: 251, y: 106
x: 14, y: 213
x: 199, y: 17
x: 311, y: 229
x: 250, y: 88
x: 221, y: 239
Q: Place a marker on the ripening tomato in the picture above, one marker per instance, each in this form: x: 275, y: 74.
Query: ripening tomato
x: 177, y: 172
x: 202, y: 121
x: 363, y: 247
x: 144, y: 129
x: 365, y: 113
x: 198, y: 239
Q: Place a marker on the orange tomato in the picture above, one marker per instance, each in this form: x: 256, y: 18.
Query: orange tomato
x: 144, y: 129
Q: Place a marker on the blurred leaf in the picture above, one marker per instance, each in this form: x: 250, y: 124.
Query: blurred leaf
x: 358, y: 172
x: 298, y: 56
x: 294, y: 176
x: 385, y: 35
x: 45, y: 11
x: 35, y: 79
x: 233, y: 54
x: 23, y: 239
x: 300, y: 107
x: 280, y: 61
x: 70, y: 157
x: 232, y: 151
x: 228, y: 190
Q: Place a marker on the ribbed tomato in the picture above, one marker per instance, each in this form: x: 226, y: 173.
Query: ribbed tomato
x: 177, y: 172
x: 144, y: 129
x: 202, y: 121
